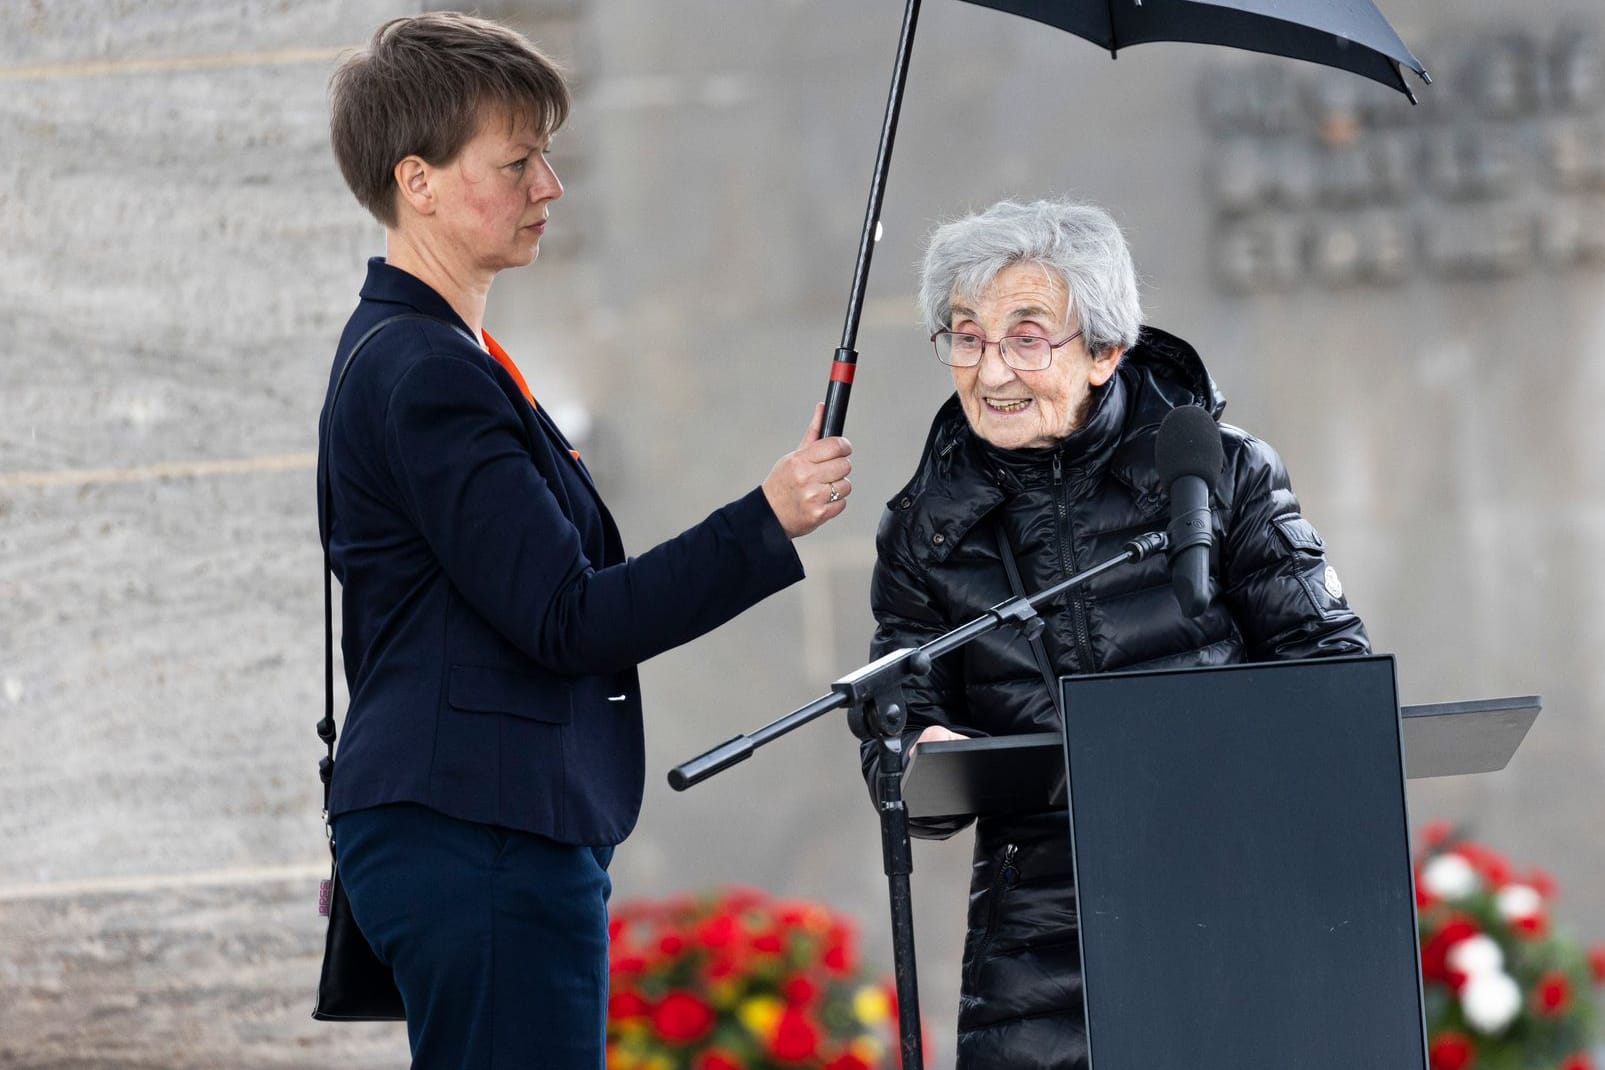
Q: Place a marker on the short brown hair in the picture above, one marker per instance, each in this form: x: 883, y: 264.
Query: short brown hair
x: 422, y: 87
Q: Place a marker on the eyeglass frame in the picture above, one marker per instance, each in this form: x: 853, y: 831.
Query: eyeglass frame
x: 1003, y: 353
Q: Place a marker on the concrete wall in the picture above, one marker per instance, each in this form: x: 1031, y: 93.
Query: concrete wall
x: 178, y: 255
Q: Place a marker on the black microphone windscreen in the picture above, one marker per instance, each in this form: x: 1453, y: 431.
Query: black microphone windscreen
x: 1189, y: 445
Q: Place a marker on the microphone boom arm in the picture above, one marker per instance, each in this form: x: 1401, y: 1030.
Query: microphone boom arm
x: 904, y: 664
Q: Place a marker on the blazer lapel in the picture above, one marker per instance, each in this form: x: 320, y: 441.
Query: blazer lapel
x: 568, y: 449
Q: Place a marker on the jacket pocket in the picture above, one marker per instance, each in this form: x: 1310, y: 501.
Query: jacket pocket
x: 1007, y: 876
x: 478, y: 689
x: 1309, y: 566
x: 1298, y: 534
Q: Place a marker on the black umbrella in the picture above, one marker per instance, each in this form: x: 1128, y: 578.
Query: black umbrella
x: 1351, y: 35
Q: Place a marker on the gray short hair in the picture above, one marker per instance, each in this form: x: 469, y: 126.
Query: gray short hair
x: 1081, y: 242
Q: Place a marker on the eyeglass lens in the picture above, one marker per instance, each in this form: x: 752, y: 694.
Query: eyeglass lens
x: 1023, y: 352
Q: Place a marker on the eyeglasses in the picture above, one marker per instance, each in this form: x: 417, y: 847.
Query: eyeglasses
x: 1022, y: 352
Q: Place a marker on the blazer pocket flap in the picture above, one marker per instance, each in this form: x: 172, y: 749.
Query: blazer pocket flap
x: 484, y: 690
x: 1299, y: 534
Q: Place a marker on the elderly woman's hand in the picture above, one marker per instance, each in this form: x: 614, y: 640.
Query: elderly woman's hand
x: 809, y: 485
x: 937, y: 734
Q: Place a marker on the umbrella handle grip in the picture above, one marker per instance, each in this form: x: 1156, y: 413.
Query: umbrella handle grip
x: 837, y: 392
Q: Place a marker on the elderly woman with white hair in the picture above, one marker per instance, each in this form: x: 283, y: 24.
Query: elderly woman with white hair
x: 1039, y: 465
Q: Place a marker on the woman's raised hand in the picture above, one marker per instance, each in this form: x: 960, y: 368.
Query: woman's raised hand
x: 809, y: 485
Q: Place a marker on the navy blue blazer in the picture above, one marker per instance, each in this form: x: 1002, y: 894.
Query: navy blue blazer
x: 491, y: 620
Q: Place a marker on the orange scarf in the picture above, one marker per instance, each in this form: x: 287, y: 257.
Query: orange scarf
x: 495, y: 349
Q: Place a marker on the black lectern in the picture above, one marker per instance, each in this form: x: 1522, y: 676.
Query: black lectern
x: 1243, y: 868
x: 1241, y: 854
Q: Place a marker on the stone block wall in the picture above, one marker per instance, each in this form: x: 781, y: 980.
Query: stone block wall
x: 177, y: 254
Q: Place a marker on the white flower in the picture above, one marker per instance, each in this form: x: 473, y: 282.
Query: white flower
x: 1449, y: 876
x: 1517, y: 901
x: 1490, y: 1001
x: 1476, y: 955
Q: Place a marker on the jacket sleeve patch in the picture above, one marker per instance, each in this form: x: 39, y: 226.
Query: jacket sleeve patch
x: 1321, y: 584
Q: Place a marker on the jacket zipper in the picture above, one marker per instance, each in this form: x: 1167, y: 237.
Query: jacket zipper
x: 1067, y: 563
x: 1007, y: 876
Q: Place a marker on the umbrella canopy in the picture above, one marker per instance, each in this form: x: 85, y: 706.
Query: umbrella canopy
x: 1349, y: 34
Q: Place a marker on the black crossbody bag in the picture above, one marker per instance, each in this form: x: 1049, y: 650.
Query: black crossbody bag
x: 355, y: 986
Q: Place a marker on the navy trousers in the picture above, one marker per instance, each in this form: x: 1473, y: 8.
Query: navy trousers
x: 498, y: 938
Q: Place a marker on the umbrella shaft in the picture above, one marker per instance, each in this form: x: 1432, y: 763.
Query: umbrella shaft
x: 841, y: 379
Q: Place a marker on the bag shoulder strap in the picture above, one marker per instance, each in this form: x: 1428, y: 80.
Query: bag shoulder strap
x: 326, y: 730
x: 1039, y: 649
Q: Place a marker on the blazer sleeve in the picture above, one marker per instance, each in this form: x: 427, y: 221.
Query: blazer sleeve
x: 456, y: 448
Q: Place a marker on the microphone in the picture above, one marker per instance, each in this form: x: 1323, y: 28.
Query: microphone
x: 1189, y: 456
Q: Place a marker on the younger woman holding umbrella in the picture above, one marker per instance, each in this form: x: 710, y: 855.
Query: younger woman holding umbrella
x: 492, y: 755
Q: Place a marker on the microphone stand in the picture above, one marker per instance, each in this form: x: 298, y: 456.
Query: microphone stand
x: 877, y: 710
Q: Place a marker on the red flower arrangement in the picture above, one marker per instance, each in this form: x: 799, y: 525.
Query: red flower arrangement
x: 1504, y: 989
x: 736, y: 980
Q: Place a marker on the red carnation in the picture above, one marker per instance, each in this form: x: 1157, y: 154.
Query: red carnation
x: 682, y: 1016
x: 1533, y: 925
x: 1596, y: 963
x: 768, y: 942
x: 615, y: 929
x: 1436, y: 833
x: 796, y: 1038
x: 799, y: 989
x: 627, y: 965
x: 838, y: 955
x: 1553, y: 993
x: 1435, y: 951
x: 1541, y: 882
x: 848, y: 1061
x: 716, y: 1059
x: 671, y: 943
x: 723, y: 966
x: 1451, y: 1051
x: 1490, y: 863
x: 626, y: 1004
x: 1577, y: 1060
x: 717, y: 931
x: 741, y: 897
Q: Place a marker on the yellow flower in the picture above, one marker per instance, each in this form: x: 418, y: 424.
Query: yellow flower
x: 871, y: 1005
x: 761, y: 1014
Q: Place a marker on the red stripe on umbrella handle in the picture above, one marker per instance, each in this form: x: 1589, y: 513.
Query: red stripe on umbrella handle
x: 842, y: 371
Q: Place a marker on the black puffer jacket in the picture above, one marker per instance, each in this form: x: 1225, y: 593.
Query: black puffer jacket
x: 1064, y: 509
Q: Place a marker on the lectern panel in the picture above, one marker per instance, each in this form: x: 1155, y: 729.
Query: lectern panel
x: 1243, y: 868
